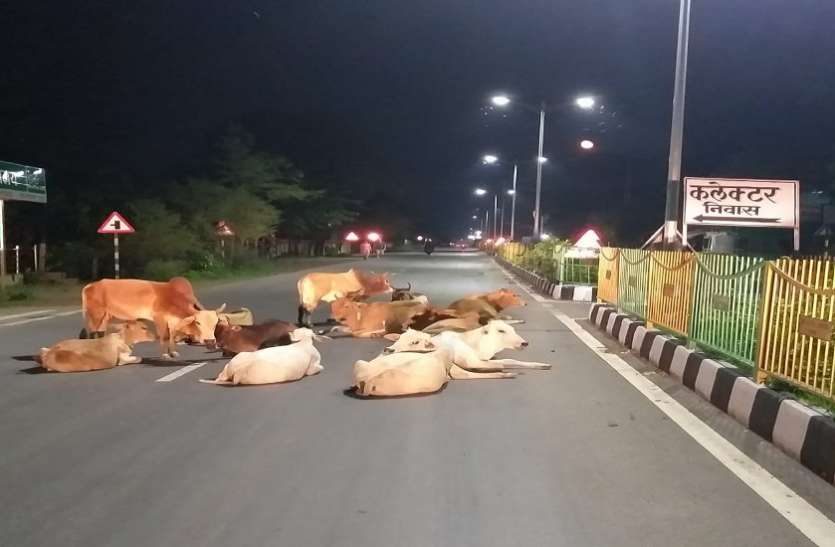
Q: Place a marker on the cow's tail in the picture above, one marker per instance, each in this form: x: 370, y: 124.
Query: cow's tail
x: 217, y: 382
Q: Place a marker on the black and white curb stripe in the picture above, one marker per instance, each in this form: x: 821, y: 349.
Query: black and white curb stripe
x: 799, y: 431
x: 577, y: 293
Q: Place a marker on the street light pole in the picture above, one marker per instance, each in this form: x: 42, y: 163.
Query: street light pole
x: 501, y: 222
x: 536, y: 223
x: 495, y: 213
x: 677, y: 131
x: 486, y: 223
x: 513, y: 206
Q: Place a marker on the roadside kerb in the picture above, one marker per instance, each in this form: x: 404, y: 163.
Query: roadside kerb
x: 799, y: 431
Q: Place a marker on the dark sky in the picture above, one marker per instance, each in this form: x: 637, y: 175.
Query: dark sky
x: 391, y: 94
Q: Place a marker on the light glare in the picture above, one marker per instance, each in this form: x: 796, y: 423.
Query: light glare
x: 480, y: 191
x: 585, y: 103
x: 500, y: 100
x: 489, y: 159
x: 586, y: 144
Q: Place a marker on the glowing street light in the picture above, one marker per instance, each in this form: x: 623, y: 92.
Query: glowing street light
x: 475, y: 217
x: 420, y: 238
x: 489, y: 159
x: 541, y: 159
x: 480, y: 191
x: 586, y: 144
x: 510, y: 192
x: 586, y: 102
x: 500, y: 100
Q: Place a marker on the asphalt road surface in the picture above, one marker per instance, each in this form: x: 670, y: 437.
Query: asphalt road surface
x: 572, y: 456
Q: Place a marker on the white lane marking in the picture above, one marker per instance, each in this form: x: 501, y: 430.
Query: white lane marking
x: 53, y: 316
x: 27, y: 314
x: 801, y: 514
x: 181, y: 372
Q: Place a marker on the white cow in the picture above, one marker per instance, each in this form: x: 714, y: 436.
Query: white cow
x: 408, y: 373
x: 472, y: 350
x: 273, y: 365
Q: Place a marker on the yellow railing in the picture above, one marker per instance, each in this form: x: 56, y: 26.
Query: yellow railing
x: 607, y: 275
x: 670, y: 290
x: 798, y: 323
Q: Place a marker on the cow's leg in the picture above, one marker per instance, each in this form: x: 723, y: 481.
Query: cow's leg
x: 166, y: 339
x: 369, y: 333
x: 458, y: 373
x: 305, y: 317
x: 513, y: 363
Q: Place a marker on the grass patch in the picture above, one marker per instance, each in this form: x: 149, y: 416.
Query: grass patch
x: 818, y: 402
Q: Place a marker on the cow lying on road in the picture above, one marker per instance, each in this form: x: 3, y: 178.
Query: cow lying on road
x: 242, y: 317
x: 473, y: 350
x: 317, y: 287
x: 171, y: 306
x: 405, y: 293
x: 367, y: 320
x: 488, y: 306
x: 112, y: 350
x: 411, y: 374
x: 273, y: 365
x: 238, y: 338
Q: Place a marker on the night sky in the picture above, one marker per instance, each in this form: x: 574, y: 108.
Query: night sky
x: 376, y: 94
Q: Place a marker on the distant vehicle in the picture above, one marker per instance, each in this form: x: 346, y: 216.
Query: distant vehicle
x: 428, y: 247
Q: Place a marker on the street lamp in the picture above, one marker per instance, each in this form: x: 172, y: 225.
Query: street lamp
x: 489, y: 159
x: 480, y: 191
x: 585, y: 103
x: 586, y: 144
x: 512, y: 193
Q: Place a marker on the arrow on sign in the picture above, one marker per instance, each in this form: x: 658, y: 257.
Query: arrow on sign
x: 703, y: 218
x: 115, y: 224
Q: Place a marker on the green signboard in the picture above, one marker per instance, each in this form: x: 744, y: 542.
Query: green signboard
x: 22, y: 182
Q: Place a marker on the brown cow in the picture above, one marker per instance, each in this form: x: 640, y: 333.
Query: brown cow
x: 356, y: 284
x: 114, y: 349
x: 171, y: 306
x: 488, y: 306
x: 234, y: 339
x: 376, y: 318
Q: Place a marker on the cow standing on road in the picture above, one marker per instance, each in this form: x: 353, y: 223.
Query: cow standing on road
x: 171, y: 305
x: 326, y: 287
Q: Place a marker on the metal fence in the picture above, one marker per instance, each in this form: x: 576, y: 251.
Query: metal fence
x: 727, y: 293
x: 554, y: 266
x: 798, y: 309
x: 633, y: 278
x: 670, y: 290
x: 607, y: 275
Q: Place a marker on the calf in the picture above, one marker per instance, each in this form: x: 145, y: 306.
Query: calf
x: 317, y: 287
x: 112, y: 350
x: 273, y: 365
x: 239, y: 338
x: 472, y: 350
x: 411, y: 374
x: 376, y: 318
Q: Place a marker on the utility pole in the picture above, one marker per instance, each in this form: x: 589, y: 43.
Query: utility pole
x: 513, y: 206
x: 677, y: 131
x: 536, y: 223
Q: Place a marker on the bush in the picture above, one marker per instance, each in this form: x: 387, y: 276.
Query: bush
x: 163, y: 270
x: 15, y: 293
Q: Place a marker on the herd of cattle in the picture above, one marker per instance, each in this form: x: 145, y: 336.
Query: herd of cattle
x: 431, y: 345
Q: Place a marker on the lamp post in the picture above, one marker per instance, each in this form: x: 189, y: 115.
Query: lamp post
x: 677, y: 130
x: 585, y: 103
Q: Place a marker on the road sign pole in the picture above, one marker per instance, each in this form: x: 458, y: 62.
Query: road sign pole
x: 116, y: 254
x: 2, y: 243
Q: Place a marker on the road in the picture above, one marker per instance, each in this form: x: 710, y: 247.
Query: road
x: 572, y: 456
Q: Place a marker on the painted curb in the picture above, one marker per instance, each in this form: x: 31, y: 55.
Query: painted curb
x: 799, y: 431
x: 577, y: 293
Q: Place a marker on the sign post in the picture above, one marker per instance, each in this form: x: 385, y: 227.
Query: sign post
x: 742, y: 203
x: 115, y: 224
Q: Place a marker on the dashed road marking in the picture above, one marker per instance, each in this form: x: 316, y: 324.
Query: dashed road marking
x: 27, y: 314
x: 181, y: 372
x: 797, y: 511
x: 35, y: 319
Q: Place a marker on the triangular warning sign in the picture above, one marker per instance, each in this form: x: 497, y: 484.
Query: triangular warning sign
x: 115, y: 224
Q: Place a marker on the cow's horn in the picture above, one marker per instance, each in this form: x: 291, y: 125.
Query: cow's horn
x: 223, y: 307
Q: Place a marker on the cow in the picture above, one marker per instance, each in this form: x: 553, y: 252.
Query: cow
x: 405, y: 293
x: 488, y: 306
x: 318, y: 286
x: 234, y: 339
x: 112, y: 350
x: 242, y: 317
x: 273, y: 365
x: 368, y: 320
x: 472, y: 350
x: 402, y: 374
x: 171, y: 306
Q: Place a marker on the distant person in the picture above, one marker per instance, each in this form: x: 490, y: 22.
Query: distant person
x: 379, y: 248
x: 428, y: 247
x: 365, y: 250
